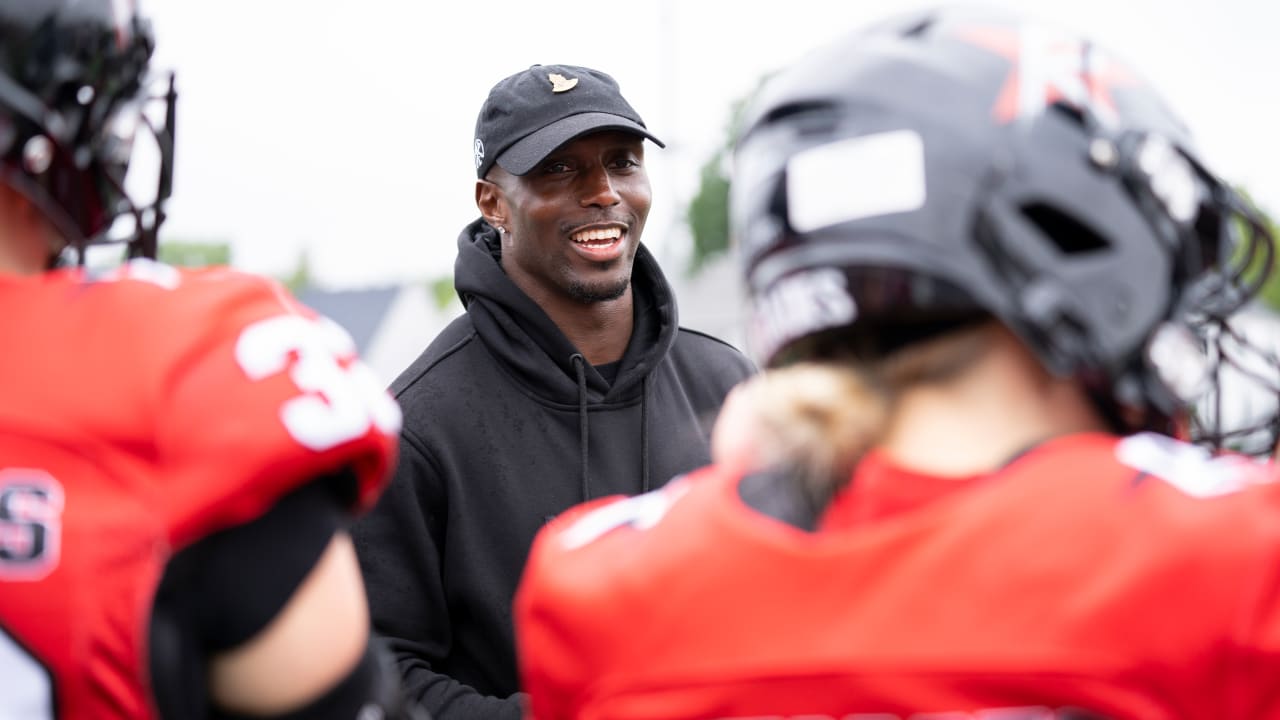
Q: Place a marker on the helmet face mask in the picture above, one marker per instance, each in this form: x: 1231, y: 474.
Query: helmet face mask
x: 135, y: 151
x: 1035, y: 180
x: 1239, y: 407
x: 75, y: 95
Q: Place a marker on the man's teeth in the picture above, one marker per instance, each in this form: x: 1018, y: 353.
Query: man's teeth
x: 597, y: 237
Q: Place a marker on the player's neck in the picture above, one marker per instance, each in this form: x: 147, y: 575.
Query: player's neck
x: 21, y: 256
x: 974, y: 423
x: 24, y: 247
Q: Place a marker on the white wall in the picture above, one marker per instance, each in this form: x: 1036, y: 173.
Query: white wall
x: 412, y: 321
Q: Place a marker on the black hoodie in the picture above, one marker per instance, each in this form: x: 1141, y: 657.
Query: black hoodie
x: 506, y: 426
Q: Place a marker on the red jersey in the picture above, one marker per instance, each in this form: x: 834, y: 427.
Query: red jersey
x: 139, y: 413
x: 1092, y: 577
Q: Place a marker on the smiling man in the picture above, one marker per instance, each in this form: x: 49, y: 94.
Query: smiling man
x: 568, y: 378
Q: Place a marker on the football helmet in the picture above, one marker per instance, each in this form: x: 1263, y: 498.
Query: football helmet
x: 952, y: 165
x: 74, y: 91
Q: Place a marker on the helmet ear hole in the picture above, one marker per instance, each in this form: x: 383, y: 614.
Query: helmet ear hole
x: 791, y: 110
x: 1069, y: 235
x: 1073, y: 113
x: 919, y: 28
x: 1217, y: 243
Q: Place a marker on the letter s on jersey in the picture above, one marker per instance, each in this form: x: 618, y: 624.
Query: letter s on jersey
x: 31, y: 503
x: 338, y: 402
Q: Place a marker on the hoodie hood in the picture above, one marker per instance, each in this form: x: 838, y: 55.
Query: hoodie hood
x: 517, y: 331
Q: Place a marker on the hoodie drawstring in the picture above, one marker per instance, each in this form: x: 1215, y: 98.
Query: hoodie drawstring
x: 580, y: 366
x: 580, y: 369
x: 644, y: 434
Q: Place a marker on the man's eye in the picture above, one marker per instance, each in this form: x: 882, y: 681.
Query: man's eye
x: 556, y: 167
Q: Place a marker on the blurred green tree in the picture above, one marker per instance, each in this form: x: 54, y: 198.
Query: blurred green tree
x: 187, y: 253
x: 442, y: 290
x: 1270, y: 293
x: 1271, y: 289
x: 300, y: 279
x: 708, y: 211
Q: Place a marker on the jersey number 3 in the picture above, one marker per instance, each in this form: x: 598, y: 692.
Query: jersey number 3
x: 339, y: 402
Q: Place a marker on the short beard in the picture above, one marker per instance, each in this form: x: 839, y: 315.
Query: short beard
x: 587, y: 294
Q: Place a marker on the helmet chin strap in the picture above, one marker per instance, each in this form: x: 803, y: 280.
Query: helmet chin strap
x: 56, y: 249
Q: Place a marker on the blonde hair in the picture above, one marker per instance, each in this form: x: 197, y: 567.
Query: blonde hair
x: 816, y: 420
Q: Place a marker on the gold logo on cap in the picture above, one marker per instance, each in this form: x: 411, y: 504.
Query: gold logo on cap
x: 560, y: 83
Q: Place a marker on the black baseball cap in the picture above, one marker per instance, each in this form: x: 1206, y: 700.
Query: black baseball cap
x: 535, y: 111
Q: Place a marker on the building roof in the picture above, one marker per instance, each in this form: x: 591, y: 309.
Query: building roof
x: 359, y: 311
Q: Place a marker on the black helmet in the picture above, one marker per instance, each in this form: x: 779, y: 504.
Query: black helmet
x: 73, y: 89
x: 957, y: 164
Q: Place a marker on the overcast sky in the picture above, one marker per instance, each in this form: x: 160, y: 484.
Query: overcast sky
x: 344, y: 128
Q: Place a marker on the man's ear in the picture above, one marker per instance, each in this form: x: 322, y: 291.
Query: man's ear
x: 491, y: 202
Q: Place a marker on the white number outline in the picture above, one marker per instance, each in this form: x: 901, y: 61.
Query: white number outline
x: 338, y: 403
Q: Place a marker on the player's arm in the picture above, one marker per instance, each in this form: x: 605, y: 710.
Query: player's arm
x: 268, y: 619
x: 265, y: 592
x: 313, y: 656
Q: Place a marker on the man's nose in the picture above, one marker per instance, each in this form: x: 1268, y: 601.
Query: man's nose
x: 598, y: 189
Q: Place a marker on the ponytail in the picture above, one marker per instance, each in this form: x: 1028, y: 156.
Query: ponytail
x: 816, y: 420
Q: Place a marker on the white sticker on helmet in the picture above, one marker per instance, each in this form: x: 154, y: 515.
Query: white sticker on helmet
x: 856, y: 178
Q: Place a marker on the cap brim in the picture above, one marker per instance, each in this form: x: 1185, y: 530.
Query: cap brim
x: 530, y: 150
